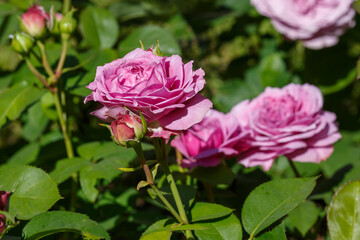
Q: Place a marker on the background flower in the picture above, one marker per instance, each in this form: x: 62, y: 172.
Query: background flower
x: 318, y: 23
x: 205, y: 143
x: 288, y: 121
x: 164, y: 89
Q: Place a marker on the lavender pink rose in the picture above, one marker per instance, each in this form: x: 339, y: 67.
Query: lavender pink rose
x: 288, y: 121
x: 317, y: 23
x: 217, y: 136
x: 164, y: 89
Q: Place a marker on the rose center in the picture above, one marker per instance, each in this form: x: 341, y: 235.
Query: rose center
x: 277, y: 112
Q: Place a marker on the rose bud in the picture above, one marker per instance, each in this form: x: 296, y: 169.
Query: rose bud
x: 127, y: 129
x: 34, y: 20
x: 21, y: 42
x: 68, y: 23
x: 4, y: 199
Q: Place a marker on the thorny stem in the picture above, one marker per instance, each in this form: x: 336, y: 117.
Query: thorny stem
x: 150, y: 180
x: 160, y: 151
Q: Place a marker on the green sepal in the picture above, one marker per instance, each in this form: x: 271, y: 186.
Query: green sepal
x: 157, y: 50
x: 142, y: 45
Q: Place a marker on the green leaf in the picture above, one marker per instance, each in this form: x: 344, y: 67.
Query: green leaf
x: 273, y: 71
x: 221, y: 229
x: 36, y: 124
x: 158, y: 230
x: 343, y: 216
x: 277, y: 233
x: 66, y: 167
x: 48, y: 106
x: 6, y: 9
x: 205, y: 211
x: 88, y: 150
x: 14, y: 100
x: 98, y: 27
x: 304, y: 216
x: 148, y: 35
x: 9, y: 59
x: 272, y: 200
x: 220, y: 174
x: 88, y: 184
x: 25, y: 155
x: 49, y: 223
x: 34, y: 191
x: 142, y: 184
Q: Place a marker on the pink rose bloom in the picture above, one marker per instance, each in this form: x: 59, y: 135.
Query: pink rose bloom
x: 34, y: 21
x: 207, y: 142
x: 287, y: 121
x: 164, y: 89
x: 317, y: 23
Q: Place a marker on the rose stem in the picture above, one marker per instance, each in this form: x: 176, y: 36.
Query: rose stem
x: 66, y: 6
x: 38, y: 75
x: 161, y: 157
x: 150, y: 180
x: 209, y: 192
x: 69, y: 149
x: 45, y: 61
x: 60, y: 65
x: 293, y: 167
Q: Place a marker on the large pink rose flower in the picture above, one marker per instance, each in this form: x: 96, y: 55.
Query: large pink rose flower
x: 207, y: 142
x: 164, y: 89
x: 318, y: 23
x: 288, y: 121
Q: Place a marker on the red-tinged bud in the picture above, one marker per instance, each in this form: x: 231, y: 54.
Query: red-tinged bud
x: 127, y: 129
x: 34, y: 21
x: 21, y: 42
x: 4, y: 199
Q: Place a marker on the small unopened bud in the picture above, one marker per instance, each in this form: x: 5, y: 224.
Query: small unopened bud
x: 21, y: 42
x: 127, y: 129
x: 68, y: 23
x: 34, y: 21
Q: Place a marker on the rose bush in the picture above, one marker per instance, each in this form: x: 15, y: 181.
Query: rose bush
x: 217, y: 136
x: 164, y: 89
x: 317, y: 24
x: 288, y: 121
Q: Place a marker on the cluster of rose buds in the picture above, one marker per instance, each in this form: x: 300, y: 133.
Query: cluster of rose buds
x: 4, y: 199
x: 36, y: 23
